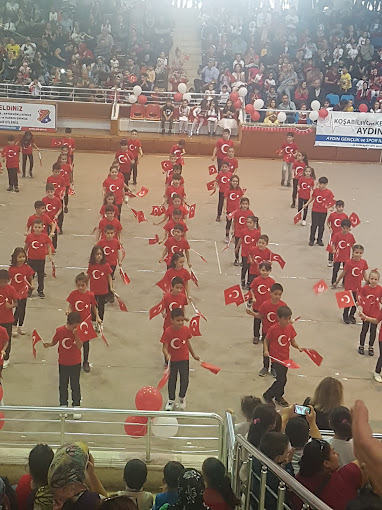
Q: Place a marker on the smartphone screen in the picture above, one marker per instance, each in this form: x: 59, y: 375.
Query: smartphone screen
x: 303, y: 410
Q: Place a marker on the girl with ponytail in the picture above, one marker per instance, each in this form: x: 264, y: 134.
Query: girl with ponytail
x: 218, y: 494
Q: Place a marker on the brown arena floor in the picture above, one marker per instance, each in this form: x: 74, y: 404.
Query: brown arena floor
x: 134, y: 357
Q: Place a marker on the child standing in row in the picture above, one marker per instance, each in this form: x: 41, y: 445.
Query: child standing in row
x: 222, y: 182
x: 342, y: 243
x: 369, y: 298
x: 304, y: 187
x: 135, y: 147
x: 298, y: 168
x: 101, y: 282
x: 260, y: 292
x: 239, y: 222
x: 334, y: 225
x: 8, y: 301
x: 37, y: 244
x: 288, y: 152
x: 21, y: 275
x: 10, y: 155
x: 232, y: 197
x: 249, y: 236
x: 53, y: 208
x: 322, y: 199
x: 27, y: 144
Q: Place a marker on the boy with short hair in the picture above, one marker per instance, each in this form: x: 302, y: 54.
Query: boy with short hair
x: 109, y: 219
x: 231, y: 160
x: 221, y: 148
x: 135, y: 146
x: 70, y: 142
x: 278, y: 349
x: 176, y: 350
x: 334, y: 224
x: 223, y: 182
x: 135, y: 476
x: 171, y: 474
x: 167, y: 116
x: 40, y: 209
x: 288, y: 152
x: 10, y: 155
x: 124, y: 159
x: 8, y: 301
x: 260, y: 291
x: 69, y: 360
x: 175, y: 243
x: 342, y: 243
x: 111, y: 247
x: 36, y: 244
x: 322, y: 199
x: 173, y: 299
x: 175, y: 188
x: 53, y: 208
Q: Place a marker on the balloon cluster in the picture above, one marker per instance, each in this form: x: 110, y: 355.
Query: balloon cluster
x: 137, y: 96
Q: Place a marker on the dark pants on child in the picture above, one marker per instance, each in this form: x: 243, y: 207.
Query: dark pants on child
x: 60, y: 219
x: 244, y: 269
x: 256, y: 326
x: 134, y: 168
x: 220, y: 203
x: 220, y: 162
x: 365, y: 328
x: 19, y: 314
x: 126, y: 177
x: 336, y: 268
x: 183, y: 368
x: 13, y: 179
x: 66, y: 196
x: 301, y: 203
x: 294, y: 192
x: 228, y: 226
x: 69, y: 374
x: 350, y: 311
x: 119, y: 207
x: 318, y: 223
x: 30, y: 157
x: 378, y: 367
x: 38, y: 267
x: 8, y: 327
x: 101, y: 299
x: 277, y: 389
x: 163, y: 122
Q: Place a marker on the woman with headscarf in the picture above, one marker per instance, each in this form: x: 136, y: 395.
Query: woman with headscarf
x: 190, y: 492
x: 72, y: 479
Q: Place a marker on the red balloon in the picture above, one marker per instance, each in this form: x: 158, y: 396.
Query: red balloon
x: 142, y: 99
x: 323, y: 113
x: 255, y: 116
x: 249, y: 108
x: 134, y: 426
x: 234, y: 96
x: 178, y: 97
x: 237, y: 103
x: 148, y: 398
x: 363, y: 108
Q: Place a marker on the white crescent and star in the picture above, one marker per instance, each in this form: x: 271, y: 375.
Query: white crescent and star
x: 84, y: 327
x: 175, y: 249
x: 270, y: 315
x: 346, y: 299
x: 16, y: 278
x: 235, y: 294
x: 223, y: 148
x: 304, y: 185
x: 262, y: 291
x: 337, y: 222
x: 173, y: 305
x: 35, y: 245
x: 172, y: 343
x: 65, y: 341
x: 241, y: 220
x: 78, y: 307
x: 371, y: 298
x: 49, y: 207
x: 107, y: 250
x: 96, y: 274
x: 319, y: 199
x: 356, y: 271
x: 283, y: 344
x: 342, y: 245
x: 122, y: 159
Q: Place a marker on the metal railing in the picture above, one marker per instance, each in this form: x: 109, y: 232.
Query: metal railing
x: 103, y: 429
x: 259, y: 469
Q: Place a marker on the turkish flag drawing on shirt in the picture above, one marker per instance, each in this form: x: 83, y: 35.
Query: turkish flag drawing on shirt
x: 156, y: 310
x: 354, y: 219
x: 345, y: 299
x: 195, y: 326
x: 320, y: 287
x: 86, y: 331
x: 233, y: 295
x: 35, y: 339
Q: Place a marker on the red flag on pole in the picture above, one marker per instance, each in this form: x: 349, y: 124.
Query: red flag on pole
x: 328, y: 204
x: 125, y: 278
x: 86, y: 331
x: 297, y: 217
x: 157, y: 210
x: 102, y: 335
x: 142, y: 192
x: 166, y: 166
x: 212, y: 170
x: 212, y: 368
x: 194, y: 278
x: 191, y: 211
x: 277, y: 258
x: 164, y: 285
x: 345, y: 299
x: 156, y: 310
x: 35, y: 339
x: 289, y: 363
x: 71, y: 191
x: 197, y: 311
x: 56, y: 143
x: 211, y: 185
x: 140, y: 215
x: 197, y: 253
x: 154, y: 240
x: 233, y: 295
x: 314, y: 356
x: 121, y: 304
x: 53, y: 270
x: 320, y: 287
x: 164, y: 378
x: 195, y: 326
x: 354, y: 219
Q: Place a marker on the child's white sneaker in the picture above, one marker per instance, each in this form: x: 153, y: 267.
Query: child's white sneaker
x: 170, y: 405
x: 76, y: 416
x: 303, y: 223
x: 182, y: 404
x: 6, y: 363
x: 377, y: 377
x: 21, y: 330
x: 14, y: 331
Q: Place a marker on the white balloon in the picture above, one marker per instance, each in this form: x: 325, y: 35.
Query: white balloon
x: 164, y: 427
x: 137, y: 90
x: 182, y: 88
x: 242, y: 92
x: 258, y: 104
x: 314, y: 114
x: 362, y: 116
x: 281, y: 117
x: 132, y: 98
x: 315, y: 105
x: 187, y: 96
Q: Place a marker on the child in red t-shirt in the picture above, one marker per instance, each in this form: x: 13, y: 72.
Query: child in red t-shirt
x: 260, y: 292
x: 37, y: 245
x: 173, y: 299
x: 69, y: 361
x: 341, y: 243
x: 8, y: 301
x: 21, y: 275
x: 334, y: 224
x: 257, y: 254
x: 109, y: 219
x: 112, y: 249
x: 288, y: 152
x: 58, y: 182
x: 304, y: 190
x: 135, y: 147
x: 231, y: 160
x: 278, y: 349
x: 249, y: 236
x: 27, y: 143
x: 175, y: 243
x: 116, y: 185
x: 67, y: 173
x: 239, y: 222
x: 53, y: 208
x: 10, y: 155
x: 101, y: 282
x: 174, y: 189
x: 124, y: 159
x: 4, y: 341
x: 322, y: 199
x: 221, y: 148
x: 70, y: 142
x: 369, y: 300
x: 40, y: 212
x: 298, y: 171
x: 177, y: 268
x: 222, y: 182
x: 232, y: 197
x: 176, y: 349
x: 179, y: 149
x: 176, y: 219
x: 109, y: 199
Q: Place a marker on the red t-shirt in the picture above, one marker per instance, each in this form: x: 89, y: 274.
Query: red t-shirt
x: 258, y: 256
x: 116, y: 224
x: 4, y: 338
x: 68, y: 352
x: 134, y: 146
x: 321, y: 199
x: 170, y: 302
x: 110, y: 249
x: 249, y: 239
x: 37, y: 245
x: 233, y: 163
x: 169, y: 176
x: 298, y: 169
x: 116, y: 186
x: 268, y: 312
x: 279, y: 341
x: 369, y: 299
x: 98, y: 278
x: 342, y: 243
x: 174, y: 246
x: 305, y: 185
x: 171, y: 190
x: 7, y: 295
x: 169, y: 227
x: 82, y: 302
x: 23, y: 491
x: 115, y: 209
x: 222, y: 147
x: 27, y: 148
x: 172, y: 272
x: 124, y: 160
x: 354, y: 273
x: 223, y: 179
x: 11, y: 153
x: 70, y: 142
x: 214, y: 500
x: 240, y: 218
x: 288, y: 149
x: 59, y: 185
x: 176, y: 340
x: 334, y: 220
x: 171, y: 209
x: 18, y: 276
x: 178, y: 151
x: 233, y: 197
x: 261, y: 288
x: 66, y: 170
x: 52, y: 206
x: 45, y: 218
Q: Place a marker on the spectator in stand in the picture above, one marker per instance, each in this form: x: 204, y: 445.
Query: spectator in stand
x: 288, y: 80
x: 228, y: 114
x: 301, y: 94
x: 135, y: 476
x: 367, y: 51
x: 209, y: 74
x: 171, y: 473
x: 218, y: 493
x: 364, y: 95
x: 287, y: 104
x: 316, y: 93
x: 345, y: 81
x: 248, y: 405
x: 328, y: 395
x: 332, y: 80
x: 341, y: 421
x: 190, y: 490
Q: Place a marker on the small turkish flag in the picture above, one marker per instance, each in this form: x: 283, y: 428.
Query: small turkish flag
x: 164, y: 379
x: 166, y: 165
x: 103, y: 336
x: 194, y: 278
x: 142, y: 192
x: 289, y: 363
x: 354, y: 219
x: 345, y: 299
x: 53, y: 269
x: 212, y: 368
x: 212, y: 170
x: 154, y: 240
x: 156, y: 310
x: 329, y: 246
x: 320, y: 287
x: 297, y: 217
x: 86, y: 331
x: 314, y: 356
x: 158, y: 210
x: 233, y: 295
x: 134, y: 212
x: 247, y: 296
x: 191, y: 211
x: 71, y: 191
x: 195, y: 325
x: 125, y: 278
x: 56, y: 143
x: 277, y: 258
x: 130, y: 194
x: 328, y: 204
x: 164, y: 285
x: 35, y: 339
x: 141, y: 216
x: 211, y: 185
x: 230, y: 215
x: 122, y: 305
